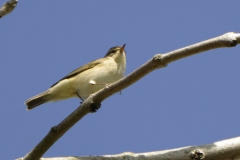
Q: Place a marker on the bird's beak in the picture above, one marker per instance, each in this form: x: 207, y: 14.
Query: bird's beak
x: 122, y: 48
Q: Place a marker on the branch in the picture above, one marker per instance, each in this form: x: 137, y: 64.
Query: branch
x: 158, y: 61
x: 222, y: 150
x: 8, y: 7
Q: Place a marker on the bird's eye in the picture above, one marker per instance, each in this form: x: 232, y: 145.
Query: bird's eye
x: 113, y: 51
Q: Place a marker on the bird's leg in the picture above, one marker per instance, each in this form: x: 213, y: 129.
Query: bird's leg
x: 79, y: 96
x: 94, y: 106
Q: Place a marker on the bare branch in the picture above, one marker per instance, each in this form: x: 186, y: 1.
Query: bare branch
x: 8, y: 7
x: 158, y: 61
x: 224, y: 150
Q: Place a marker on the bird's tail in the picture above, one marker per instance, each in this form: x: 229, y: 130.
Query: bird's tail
x: 37, y: 100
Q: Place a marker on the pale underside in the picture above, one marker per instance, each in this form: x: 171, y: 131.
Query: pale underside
x: 88, y: 81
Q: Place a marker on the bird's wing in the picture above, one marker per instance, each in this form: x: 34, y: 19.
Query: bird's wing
x: 81, y: 69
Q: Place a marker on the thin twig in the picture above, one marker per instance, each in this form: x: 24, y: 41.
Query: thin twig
x: 8, y: 7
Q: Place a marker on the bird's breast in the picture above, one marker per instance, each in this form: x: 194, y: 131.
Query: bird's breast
x: 97, y: 77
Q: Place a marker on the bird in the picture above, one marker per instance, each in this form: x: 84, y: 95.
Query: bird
x: 86, y: 79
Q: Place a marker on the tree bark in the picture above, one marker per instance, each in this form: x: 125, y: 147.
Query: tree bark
x: 222, y: 150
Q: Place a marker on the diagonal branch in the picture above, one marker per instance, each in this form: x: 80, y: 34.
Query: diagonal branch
x: 158, y: 61
x: 8, y: 7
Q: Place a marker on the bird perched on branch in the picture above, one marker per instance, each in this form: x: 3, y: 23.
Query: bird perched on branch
x: 85, y: 80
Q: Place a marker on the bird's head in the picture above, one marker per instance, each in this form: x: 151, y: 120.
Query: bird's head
x: 115, y: 52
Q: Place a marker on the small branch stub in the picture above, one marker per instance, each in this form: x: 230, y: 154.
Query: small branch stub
x: 196, y: 155
x: 54, y: 129
x: 158, y: 57
x: 233, y: 43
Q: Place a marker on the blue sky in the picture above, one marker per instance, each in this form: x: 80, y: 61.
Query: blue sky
x: 193, y: 101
